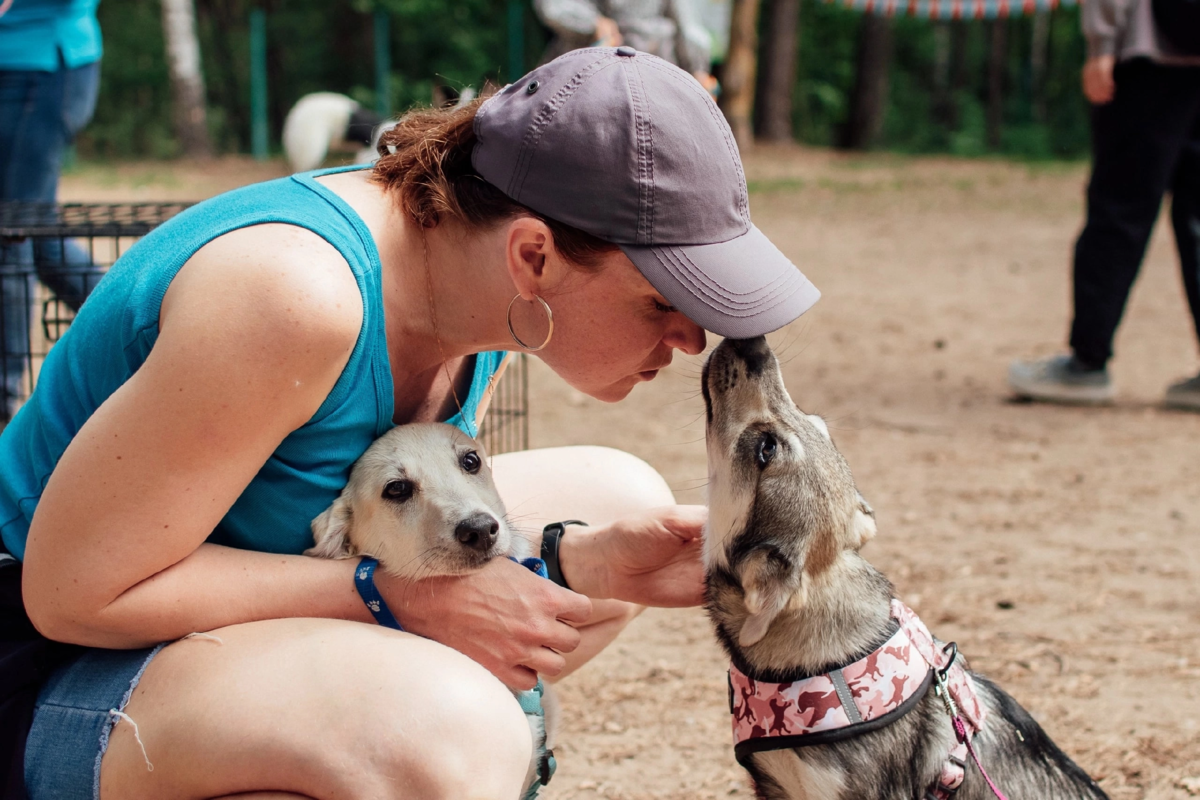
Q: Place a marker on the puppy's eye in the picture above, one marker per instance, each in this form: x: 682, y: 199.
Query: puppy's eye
x: 470, y: 462
x: 767, y: 445
x: 398, y: 491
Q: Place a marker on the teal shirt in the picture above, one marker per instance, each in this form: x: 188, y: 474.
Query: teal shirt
x: 118, y: 325
x: 35, y: 33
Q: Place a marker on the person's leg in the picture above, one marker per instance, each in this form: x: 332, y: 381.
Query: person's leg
x: 17, y: 293
x: 62, y: 265
x: 23, y: 171
x: 595, y: 484
x: 1136, y: 143
x: 31, y: 141
x: 1185, y: 218
x: 317, y: 709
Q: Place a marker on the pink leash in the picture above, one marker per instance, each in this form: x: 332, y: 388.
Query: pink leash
x: 960, y: 730
x: 960, y: 727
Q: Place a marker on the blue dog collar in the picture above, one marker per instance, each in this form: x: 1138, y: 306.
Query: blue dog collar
x: 364, y: 581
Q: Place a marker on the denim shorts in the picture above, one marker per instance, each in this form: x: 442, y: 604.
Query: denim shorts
x: 74, y: 716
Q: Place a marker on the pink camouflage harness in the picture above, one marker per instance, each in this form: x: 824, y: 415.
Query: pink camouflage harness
x: 866, y: 695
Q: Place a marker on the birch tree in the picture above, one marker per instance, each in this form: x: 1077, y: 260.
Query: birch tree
x: 187, y: 81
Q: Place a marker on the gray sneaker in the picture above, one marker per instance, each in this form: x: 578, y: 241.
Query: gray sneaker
x: 1060, y: 379
x: 1184, y: 395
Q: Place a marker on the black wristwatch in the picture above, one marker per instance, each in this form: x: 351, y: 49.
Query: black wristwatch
x: 551, y: 537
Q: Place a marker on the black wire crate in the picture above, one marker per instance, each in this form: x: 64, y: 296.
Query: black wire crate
x: 53, y: 254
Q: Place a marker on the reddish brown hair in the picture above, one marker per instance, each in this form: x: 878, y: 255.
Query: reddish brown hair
x: 425, y: 163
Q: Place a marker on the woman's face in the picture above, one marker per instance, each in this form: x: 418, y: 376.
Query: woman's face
x: 612, y: 329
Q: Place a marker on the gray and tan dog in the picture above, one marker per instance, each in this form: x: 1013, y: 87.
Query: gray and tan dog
x: 837, y: 690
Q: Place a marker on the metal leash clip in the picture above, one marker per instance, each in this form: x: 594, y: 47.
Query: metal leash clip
x: 939, y: 675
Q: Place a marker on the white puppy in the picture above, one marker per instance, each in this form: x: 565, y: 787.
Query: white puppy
x: 421, y: 501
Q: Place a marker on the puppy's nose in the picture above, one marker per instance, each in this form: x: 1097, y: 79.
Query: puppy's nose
x: 477, y: 531
x: 754, y: 352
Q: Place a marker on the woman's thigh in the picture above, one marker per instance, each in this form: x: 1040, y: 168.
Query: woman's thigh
x: 598, y: 485
x: 595, y: 484
x: 317, y: 708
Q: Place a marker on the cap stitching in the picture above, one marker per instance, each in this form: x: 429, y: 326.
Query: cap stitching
x: 719, y: 293
x: 644, y: 127
x: 749, y: 311
x: 537, y: 126
x: 722, y: 126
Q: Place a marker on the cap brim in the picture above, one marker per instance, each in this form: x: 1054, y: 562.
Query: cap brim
x: 740, y: 289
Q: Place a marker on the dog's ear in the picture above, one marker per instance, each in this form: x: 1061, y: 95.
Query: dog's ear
x: 819, y: 424
x: 331, y: 532
x: 769, y: 583
x: 862, y: 524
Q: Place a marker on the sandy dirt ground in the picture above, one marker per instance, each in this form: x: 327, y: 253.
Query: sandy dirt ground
x: 1060, y: 547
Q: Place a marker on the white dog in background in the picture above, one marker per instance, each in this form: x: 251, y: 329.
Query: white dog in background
x: 325, y: 121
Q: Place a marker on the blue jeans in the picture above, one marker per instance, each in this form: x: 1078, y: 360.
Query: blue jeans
x: 40, y: 113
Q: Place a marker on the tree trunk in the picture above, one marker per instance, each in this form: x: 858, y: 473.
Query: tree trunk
x: 997, y: 64
x: 943, y: 102
x: 187, y: 82
x: 1037, y: 62
x: 959, y: 75
x: 737, y: 90
x: 777, y: 77
x: 868, y: 104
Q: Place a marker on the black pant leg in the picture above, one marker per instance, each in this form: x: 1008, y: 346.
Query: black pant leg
x: 1185, y: 218
x: 1136, y: 143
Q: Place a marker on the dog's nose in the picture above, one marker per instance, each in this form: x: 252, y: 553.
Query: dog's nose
x: 477, y: 531
x: 754, y: 352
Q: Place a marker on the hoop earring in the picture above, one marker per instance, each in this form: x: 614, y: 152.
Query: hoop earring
x: 549, y: 319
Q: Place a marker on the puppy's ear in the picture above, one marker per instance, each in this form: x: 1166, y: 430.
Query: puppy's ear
x: 331, y: 532
x: 769, y: 583
x: 819, y: 424
x: 862, y: 524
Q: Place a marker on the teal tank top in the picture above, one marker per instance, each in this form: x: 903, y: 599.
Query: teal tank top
x: 117, y: 327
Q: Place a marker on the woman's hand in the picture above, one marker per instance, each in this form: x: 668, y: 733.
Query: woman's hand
x: 1098, y: 84
x: 607, y: 32
x: 652, y: 560
x: 509, y: 620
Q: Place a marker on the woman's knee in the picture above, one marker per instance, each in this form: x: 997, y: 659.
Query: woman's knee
x: 450, y: 728
x: 593, y: 483
x: 323, y: 709
x: 625, y: 479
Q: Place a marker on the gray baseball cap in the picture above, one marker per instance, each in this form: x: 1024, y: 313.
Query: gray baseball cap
x: 631, y: 149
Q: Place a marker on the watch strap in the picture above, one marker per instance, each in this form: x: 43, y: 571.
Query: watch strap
x: 551, y: 540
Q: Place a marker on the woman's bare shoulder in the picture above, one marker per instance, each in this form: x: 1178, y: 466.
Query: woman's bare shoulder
x: 258, y: 278
x: 277, y: 301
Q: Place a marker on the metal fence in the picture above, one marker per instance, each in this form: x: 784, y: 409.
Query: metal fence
x: 53, y: 255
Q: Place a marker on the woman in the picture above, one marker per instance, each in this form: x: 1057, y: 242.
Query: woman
x: 210, y: 397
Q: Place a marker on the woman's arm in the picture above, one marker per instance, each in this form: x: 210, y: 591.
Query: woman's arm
x: 654, y: 559
x: 254, y: 332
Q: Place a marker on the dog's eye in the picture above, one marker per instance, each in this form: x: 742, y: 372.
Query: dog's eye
x: 767, y: 445
x: 471, y: 462
x: 399, y: 491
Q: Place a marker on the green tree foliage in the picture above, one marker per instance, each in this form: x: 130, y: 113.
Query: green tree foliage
x: 928, y: 114
x: 324, y: 45
x: 312, y: 45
